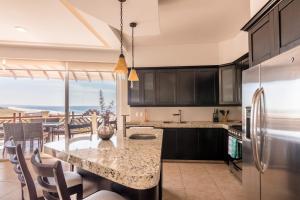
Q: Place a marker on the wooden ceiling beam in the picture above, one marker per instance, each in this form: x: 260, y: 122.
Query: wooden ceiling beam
x: 46, y: 74
x: 88, y: 76
x: 100, y: 76
x: 74, y: 75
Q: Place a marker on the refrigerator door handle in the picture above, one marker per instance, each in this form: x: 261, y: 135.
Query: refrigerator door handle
x: 253, y: 119
x: 258, y: 104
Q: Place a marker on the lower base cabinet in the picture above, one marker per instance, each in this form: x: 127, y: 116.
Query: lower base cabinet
x: 194, y: 144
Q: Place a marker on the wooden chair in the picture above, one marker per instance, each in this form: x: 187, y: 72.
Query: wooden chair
x: 33, y: 193
x: 34, y: 131
x: 10, y: 147
x: 13, y: 130
x: 47, y: 183
x: 61, y: 187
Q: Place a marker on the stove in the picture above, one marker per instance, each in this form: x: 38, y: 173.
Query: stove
x: 235, y: 160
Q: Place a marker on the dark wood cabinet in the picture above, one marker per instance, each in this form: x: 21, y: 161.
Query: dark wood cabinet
x: 273, y: 30
x: 287, y: 18
x: 166, y: 87
x: 211, y: 144
x: 185, y: 87
x: 148, y: 88
x: 228, y: 85
x: 194, y: 144
x: 170, y: 143
x: 175, y: 87
x: 206, y: 87
x: 261, y: 40
x: 135, y: 92
x: 187, y: 144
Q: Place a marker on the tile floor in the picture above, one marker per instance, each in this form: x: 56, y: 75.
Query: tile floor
x: 181, y: 181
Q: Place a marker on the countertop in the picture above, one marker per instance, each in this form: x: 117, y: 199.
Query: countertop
x: 133, y: 163
x: 192, y: 124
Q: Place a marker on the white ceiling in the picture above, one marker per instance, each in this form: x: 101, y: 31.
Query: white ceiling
x: 48, y: 23
x: 198, y: 21
x: 160, y: 22
x: 144, y: 12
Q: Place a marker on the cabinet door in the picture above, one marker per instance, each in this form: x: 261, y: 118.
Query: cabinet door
x: 227, y: 87
x: 210, y: 144
x: 135, y: 92
x: 185, y: 87
x: 261, y: 38
x: 239, y: 85
x: 287, y: 20
x: 166, y: 87
x: 170, y: 144
x: 187, y: 144
x: 206, y: 90
x: 149, y: 87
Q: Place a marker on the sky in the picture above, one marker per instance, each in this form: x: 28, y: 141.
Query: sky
x: 42, y: 92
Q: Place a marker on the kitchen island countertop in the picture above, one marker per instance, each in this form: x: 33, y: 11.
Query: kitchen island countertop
x: 132, y: 163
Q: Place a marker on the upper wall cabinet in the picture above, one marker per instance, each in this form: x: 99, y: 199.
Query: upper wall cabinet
x: 175, y: 87
x: 206, y: 87
x: 186, y: 87
x: 287, y: 16
x: 228, y: 83
x: 261, y: 37
x: 166, y: 87
x: 273, y: 30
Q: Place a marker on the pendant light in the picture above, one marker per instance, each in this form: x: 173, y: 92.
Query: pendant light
x: 132, y: 75
x: 121, y: 67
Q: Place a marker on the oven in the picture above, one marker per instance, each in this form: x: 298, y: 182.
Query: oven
x: 235, y: 147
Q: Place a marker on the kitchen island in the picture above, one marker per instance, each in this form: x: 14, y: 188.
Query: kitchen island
x: 130, y: 167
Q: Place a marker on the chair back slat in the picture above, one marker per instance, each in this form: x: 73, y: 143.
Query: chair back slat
x: 10, y: 147
x: 60, y: 182
x: 14, y: 130
x: 33, y: 130
x: 26, y: 174
x: 43, y: 172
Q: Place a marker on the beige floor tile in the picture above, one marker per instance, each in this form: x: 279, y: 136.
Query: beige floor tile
x: 174, y: 194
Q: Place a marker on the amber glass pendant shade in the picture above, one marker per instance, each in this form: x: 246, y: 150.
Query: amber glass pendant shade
x: 133, y: 75
x: 121, y: 67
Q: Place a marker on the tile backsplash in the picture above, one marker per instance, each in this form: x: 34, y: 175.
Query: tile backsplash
x: 188, y: 113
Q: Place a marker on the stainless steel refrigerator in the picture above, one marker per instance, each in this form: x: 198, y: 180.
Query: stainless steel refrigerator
x: 271, y: 128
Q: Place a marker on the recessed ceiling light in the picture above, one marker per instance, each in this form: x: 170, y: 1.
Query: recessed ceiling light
x: 21, y: 29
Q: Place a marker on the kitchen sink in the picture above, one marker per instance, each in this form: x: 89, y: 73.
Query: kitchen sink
x: 141, y: 136
x: 170, y: 122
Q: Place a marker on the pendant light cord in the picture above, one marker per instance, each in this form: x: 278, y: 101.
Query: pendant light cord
x: 121, y: 26
x: 132, y: 46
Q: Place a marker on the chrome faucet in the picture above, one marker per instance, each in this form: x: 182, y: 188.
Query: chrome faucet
x: 178, y: 114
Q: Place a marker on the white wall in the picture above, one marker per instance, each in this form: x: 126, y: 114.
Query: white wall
x: 232, y: 49
x: 188, y: 113
x: 256, y: 5
x: 176, y: 55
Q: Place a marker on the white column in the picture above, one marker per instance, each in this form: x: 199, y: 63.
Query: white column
x: 67, y: 103
x: 122, y: 102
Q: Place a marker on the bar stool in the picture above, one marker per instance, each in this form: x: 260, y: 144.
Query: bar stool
x: 10, y: 148
x: 63, y: 192
x: 35, y: 191
x: 46, y: 180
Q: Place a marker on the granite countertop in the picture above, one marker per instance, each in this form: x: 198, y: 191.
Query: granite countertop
x: 133, y: 163
x: 191, y: 124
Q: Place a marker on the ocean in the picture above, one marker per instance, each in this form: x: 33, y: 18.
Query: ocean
x: 51, y: 109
